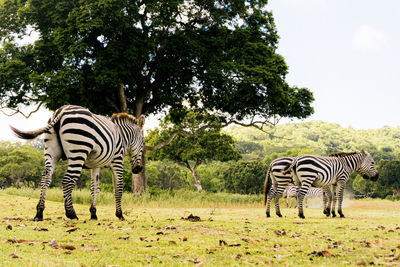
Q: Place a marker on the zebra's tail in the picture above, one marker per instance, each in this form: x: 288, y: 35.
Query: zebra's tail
x: 266, y: 188
x: 33, y: 134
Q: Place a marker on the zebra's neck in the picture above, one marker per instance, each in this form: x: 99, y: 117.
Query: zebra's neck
x: 353, y: 161
x: 126, y: 133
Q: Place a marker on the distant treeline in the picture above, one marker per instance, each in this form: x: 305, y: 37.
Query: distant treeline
x: 21, y: 165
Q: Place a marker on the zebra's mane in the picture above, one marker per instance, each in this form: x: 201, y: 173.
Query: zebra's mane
x: 341, y: 154
x: 124, y: 117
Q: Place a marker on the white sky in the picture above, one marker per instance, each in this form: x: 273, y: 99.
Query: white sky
x: 346, y: 52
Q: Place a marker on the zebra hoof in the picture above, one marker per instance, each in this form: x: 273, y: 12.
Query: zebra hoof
x: 119, y: 215
x: 93, y: 215
x: 341, y: 216
x: 268, y: 215
x: 279, y: 215
x: 302, y: 216
x: 71, y: 215
x: 333, y: 214
x: 37, y: 219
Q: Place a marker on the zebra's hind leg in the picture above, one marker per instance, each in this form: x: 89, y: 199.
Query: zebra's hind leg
x: 74, y: 170
x: 278, y: 193
x: 52, y: 156
x: 340, y: 199
x: 305, y: 186
x: 94, y: 190
x: 270, y: 195
x: 117, y: 169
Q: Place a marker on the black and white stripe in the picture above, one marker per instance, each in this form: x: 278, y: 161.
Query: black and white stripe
x: 279, y: 181
x: 335, y: 170
x: 291, y: 192
x: 91, y: 141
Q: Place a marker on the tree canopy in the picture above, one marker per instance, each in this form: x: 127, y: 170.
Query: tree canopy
x: 147, y: 56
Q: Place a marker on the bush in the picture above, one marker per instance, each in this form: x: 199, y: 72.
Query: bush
x: 245, y: 177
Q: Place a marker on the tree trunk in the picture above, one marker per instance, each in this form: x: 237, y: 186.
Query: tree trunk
x: 197, y: 183
x: 193, y: 170
x: 122, y: 98
x: 139, y: 181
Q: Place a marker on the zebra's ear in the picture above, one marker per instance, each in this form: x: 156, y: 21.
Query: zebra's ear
x: 142, y: 119
x: 363, y: 152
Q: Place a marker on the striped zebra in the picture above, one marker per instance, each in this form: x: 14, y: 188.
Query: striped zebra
x: 291, y: 193
x: 280, y: 181
x: 91, y: 141
x: 334, y: 170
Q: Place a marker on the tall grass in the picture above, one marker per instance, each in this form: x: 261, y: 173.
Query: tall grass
x: 152, y: 198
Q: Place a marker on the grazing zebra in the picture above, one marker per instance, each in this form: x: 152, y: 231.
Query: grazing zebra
x: 291, y: 193
x: 333, y: 170
x: 91, y: 141
x: 280, y: 181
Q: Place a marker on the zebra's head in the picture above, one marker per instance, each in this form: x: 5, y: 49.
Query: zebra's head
x: 367, y: 167
x: 132, y: 132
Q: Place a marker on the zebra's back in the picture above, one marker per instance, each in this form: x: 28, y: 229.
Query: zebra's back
x: 85, y: 135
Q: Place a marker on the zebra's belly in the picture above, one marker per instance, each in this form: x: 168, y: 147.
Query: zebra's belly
x: 318, y: 182
x: 95, y: 160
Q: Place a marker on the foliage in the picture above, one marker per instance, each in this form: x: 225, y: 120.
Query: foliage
x: 20, y: 165
x: 366, y: 187
x: 147, y: 55
x: 321, y: 138
x: 192, y: 147
x: 245, y: 177
x: 167, y: 176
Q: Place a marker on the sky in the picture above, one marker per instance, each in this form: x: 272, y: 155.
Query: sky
x: 345, y: 51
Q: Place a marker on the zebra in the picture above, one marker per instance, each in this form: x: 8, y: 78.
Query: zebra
x: 333, y: 170
x: 280, y: 181
x: 87, y: 140
x: 291, y: 192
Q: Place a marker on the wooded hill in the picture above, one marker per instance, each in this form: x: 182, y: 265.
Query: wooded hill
x: 320, y: 137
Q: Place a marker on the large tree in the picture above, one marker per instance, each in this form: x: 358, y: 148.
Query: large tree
x: 144, y: 57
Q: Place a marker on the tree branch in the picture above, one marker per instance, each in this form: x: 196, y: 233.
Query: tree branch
x: 17, y: 111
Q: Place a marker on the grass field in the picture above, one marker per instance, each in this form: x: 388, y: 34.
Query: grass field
x: 234, y: 235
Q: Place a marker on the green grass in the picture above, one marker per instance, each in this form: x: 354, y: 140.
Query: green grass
x: 234, y: 235
x: 152, y: 198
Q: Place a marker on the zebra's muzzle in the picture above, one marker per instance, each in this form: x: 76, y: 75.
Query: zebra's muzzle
x: 137, y: 169
x: 374, y: 178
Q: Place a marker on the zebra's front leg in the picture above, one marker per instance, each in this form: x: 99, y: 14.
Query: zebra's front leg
x: 327, y: 200
x: 305, y: 186
x: 73, y: 173
x: 94, y: 190
x: 117, y: 169
x: 340, y: 191
x: 334, y: 198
